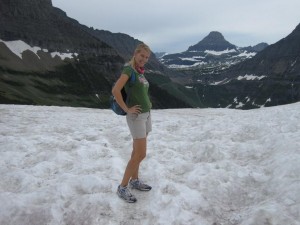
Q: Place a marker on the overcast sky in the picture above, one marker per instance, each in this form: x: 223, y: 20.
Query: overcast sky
x: 174, y: 25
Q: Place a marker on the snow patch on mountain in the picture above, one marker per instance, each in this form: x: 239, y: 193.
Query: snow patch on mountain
x: 18, y: 47
x: 211, y: 52
x: 251, y: 77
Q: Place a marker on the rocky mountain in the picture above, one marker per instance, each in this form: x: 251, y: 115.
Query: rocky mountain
x: 211, y: 52
x: 38, y: 23
x: 159, y: 54
x: 256, y: 48
x: 280, y: 60
x: 271, y: 77
x: 125, y: 45
x: 215, y: 41
x: 47, y: 58
x: 30, y: 77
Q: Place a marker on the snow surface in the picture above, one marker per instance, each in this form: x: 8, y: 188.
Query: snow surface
x: 176, y: 66
x: 192, y: 59
x: 212, y: 52
x: 62, y: 166
x: 245, y: 54
x: 251, y: 77
x: 18, y: 47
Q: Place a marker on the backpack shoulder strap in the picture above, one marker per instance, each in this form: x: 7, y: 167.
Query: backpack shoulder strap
x: 131, y: 82
x: 132, y: 76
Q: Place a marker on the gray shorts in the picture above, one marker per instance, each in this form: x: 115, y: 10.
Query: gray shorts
x: 139, y: 124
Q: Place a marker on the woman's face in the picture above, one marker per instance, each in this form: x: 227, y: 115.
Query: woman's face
x: 141, y: 58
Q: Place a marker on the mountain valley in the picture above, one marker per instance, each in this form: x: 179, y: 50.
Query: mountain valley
x: 47, y: 58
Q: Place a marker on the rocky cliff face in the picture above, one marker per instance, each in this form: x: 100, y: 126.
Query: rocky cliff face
x: 272, y: 77
x: 281, y: 59
x: 213, y: 41
x: 39, y: 24
x: 42, y: 78
x: 38, y: 74
x: 125, y: 46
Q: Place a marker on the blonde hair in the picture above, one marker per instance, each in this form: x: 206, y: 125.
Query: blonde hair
x: 138, y: 49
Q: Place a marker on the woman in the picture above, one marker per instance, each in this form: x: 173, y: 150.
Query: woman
x: 138, y: 118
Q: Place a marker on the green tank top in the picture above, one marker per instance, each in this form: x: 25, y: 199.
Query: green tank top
x: 138, y: 90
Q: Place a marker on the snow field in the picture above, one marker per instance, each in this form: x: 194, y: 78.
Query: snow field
x: 62, y: 165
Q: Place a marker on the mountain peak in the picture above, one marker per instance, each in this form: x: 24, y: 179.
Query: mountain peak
x: 215, y: 35
x: 213, y: 41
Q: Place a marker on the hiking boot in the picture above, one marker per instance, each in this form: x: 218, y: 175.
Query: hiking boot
x: 124, y: 193
x: 139, y: 185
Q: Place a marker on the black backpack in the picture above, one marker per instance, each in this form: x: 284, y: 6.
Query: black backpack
x: 113, y: 103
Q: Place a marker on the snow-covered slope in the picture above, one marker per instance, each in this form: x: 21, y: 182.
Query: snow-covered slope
x: 211, y: 51
x: 18, y: 47
x: 207, y: 58
x: 61, y: 166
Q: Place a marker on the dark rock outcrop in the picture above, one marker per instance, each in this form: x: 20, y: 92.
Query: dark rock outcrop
x: 213, y: 41
x: 39, y: 24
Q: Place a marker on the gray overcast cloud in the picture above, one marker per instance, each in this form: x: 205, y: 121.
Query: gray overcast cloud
x: 174, y: 25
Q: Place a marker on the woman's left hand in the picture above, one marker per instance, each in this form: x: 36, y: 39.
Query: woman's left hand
x: 136, y: 109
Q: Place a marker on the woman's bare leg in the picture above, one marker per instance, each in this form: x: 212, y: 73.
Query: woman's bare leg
x: 137, y: 155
